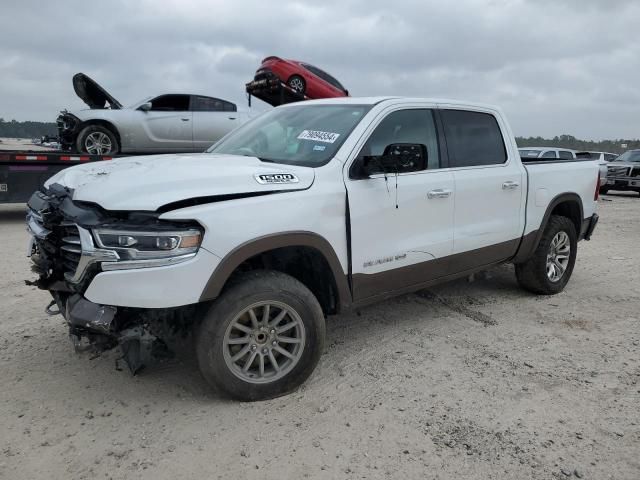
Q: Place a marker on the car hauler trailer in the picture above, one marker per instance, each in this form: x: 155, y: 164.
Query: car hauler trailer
x: 24, y: 172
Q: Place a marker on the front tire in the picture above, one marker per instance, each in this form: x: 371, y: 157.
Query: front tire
x: 262, y: 337
x: 604, y: 190
x: 549, y: 268
x: 97, y: 140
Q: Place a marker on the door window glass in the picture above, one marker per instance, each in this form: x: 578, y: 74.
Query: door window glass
x: 566, y: 154
x: 209, y: 104
x: 473, y: 139
x: 549, y: 154
x: 405, y: 126
x: 170, y: 103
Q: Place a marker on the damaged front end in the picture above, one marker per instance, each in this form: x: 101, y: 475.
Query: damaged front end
x: 68, y: 130
x: 67, y: 253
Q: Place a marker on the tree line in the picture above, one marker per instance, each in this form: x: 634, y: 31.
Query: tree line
x: 15, y: 129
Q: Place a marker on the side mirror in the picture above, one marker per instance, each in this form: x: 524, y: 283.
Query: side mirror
x: 409, y: 156
x: 397, y: 158
x: 145, y: 107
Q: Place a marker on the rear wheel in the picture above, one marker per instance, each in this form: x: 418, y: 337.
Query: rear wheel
x: 97, y: 140
x: 549, y: 268
x: 262, y: 337
x: 297, y: 83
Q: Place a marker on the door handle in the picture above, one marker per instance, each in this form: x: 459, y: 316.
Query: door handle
x: 439, y: 193
x: 510, y: 185
x: 232, y: 118
x: 184, y: 119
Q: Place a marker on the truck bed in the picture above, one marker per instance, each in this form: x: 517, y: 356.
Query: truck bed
x: 551, y: 178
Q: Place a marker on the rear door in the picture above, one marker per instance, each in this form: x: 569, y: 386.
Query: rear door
x: 401, y: 226
x: 489, y: 179
x: 166, y: 127
x: 212, y: 119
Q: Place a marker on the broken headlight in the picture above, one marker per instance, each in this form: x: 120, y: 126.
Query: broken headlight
x: 139, y: 249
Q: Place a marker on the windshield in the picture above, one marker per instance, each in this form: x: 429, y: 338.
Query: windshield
x: 630, y: 156
x: 529, y: 153
x: 306, y: 135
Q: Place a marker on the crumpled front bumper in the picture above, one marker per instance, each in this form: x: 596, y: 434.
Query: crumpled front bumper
x: 68, y: 129
x: 105, y: 328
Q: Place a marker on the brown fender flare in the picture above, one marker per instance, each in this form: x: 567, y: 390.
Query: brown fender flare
x: 530, y: 241
x: 270, y: 242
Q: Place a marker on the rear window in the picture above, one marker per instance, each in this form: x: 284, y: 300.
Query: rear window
x: 209, y: 104
x: 473, y: 139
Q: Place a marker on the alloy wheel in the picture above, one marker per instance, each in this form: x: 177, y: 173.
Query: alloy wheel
x: 98, y: 143
x: 558, y: 256
x: 264, y: 342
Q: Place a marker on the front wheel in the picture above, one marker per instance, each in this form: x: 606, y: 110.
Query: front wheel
x: 262, y: 337
x: 604, y: 190
x: 97, y: 140
x: 549, y: 268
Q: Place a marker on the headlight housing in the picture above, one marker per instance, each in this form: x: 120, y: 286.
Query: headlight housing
x: 148, y: 248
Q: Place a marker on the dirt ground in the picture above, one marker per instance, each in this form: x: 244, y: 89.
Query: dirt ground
x: 467, y: 380
x: 21, y: 144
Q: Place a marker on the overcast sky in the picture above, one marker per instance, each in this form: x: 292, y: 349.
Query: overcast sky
x: 554, y: 66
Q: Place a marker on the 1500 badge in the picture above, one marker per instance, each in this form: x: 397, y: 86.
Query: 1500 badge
x: 276, y: 178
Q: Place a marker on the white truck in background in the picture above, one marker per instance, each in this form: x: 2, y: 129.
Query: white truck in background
x: 306, y: 211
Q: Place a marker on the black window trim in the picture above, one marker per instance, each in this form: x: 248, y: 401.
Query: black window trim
x: 442, y: 147
x: 438, y: 110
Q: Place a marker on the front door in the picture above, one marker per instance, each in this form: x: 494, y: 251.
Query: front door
x: 401, y: 225
x: 489, y: 212
x: 168, y: 125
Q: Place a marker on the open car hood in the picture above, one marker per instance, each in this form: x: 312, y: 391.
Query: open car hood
x: 152, y: 182
x: 93, y: 94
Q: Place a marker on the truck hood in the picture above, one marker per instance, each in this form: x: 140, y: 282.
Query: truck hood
x: 93, y: 94
x: 151, y: 182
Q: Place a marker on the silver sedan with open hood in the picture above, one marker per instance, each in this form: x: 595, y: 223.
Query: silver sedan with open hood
x: 170, y: 122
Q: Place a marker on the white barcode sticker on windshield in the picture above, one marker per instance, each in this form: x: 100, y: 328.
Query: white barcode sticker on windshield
x: 318, y: 136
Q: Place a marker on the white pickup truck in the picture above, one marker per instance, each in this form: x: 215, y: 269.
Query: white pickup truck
x: 306, y: 211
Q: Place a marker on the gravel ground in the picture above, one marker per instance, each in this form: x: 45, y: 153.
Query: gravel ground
x: 473, y: 379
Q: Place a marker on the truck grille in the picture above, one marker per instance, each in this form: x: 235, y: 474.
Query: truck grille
x: 617, y: 171
x: 70, y: 249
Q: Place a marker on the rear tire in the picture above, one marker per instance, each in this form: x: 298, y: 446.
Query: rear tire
x: 297, y: 83
x: 250, y: 354
x: 97, y: 140
x: 538, y: 274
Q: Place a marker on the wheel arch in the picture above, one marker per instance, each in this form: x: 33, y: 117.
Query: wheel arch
x: 567, y: 205
x: 306, y: 256
x: 103, y: 123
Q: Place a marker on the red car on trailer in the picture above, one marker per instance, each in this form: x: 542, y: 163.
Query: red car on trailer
x: 280, y: 81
